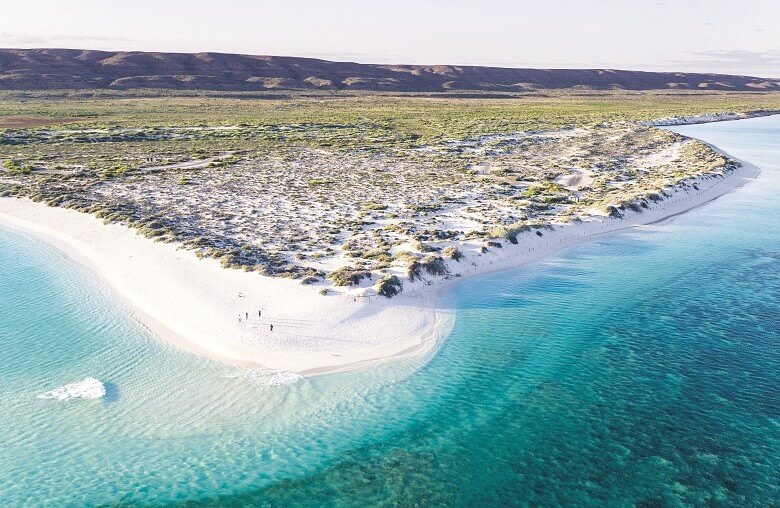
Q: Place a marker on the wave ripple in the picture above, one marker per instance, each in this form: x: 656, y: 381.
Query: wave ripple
x: 268, y: 377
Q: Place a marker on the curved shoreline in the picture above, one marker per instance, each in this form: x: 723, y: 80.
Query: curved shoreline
x: 194, y: 303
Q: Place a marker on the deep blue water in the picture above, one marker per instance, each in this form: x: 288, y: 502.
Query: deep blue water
x: 637, y: 369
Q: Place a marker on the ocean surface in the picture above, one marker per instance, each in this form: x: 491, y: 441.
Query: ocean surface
x: 641, y: 368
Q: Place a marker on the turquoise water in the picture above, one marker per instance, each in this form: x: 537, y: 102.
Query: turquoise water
x: 638, y: 369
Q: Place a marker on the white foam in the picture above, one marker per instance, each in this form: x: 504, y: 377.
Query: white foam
x: 268, y: 377
x: 282, y: 377
x: 88, y: 388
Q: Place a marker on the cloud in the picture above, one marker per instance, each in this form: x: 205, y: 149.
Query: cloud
x: 11, y: 38
x: 96, y: 38
x: 741, y: 61
x: 18, y: 39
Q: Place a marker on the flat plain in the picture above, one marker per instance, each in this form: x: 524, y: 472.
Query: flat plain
x: 339, y: 190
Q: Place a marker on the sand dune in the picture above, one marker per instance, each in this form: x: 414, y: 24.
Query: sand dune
x: 203, y: 307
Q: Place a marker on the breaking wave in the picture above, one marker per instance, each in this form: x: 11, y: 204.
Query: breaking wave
x: 88, y: 388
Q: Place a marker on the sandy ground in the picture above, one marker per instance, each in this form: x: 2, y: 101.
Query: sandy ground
x: 715, y: 117
x: 577, y: 179
x: 202, y: 307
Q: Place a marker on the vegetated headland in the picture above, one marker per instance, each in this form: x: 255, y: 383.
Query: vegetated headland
x: 346, y: 200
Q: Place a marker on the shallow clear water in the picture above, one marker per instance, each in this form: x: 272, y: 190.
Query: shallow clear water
x: 640, y: 368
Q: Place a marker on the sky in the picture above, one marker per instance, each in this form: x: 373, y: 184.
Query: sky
x: 726, y: 36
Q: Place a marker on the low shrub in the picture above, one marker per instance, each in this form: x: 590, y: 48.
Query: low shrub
x: 510, y: 232
x: 379, y: 255
x: 389, y: 286
x: 435, y: 265
x: 405, y: 257
x: 348, y: 276
x: 424, y: 247
x: 16, y: 168
x: 414, y: 270
x: 453, y: 253
x: 432, y: 265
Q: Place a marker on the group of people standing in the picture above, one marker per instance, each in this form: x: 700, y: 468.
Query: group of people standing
x: 259, y: 315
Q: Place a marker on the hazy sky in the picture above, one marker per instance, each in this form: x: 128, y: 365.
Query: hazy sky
x: 707, y: 35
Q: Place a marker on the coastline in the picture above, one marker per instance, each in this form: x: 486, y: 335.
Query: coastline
x: 195, y: 303
x: 699, y: 119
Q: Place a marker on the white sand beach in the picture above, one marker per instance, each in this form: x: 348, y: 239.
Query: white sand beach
x: 202, y: 307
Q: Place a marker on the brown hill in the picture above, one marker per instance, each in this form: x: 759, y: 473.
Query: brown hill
x: 49, y: 69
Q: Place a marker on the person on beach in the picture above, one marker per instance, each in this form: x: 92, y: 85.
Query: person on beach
x: 239, y: 318
x: 247, y: 316
x: 259, y: 313
x: 272, y: 327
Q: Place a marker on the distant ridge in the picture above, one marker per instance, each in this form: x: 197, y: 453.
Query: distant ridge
x: 52, y: 69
